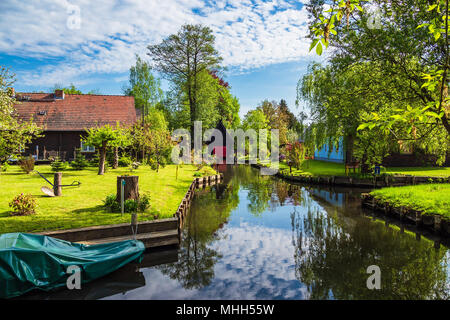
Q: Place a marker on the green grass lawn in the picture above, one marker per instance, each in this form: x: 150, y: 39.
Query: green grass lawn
x: 82, y: 206
x: 324, y: 168
x: 429, y: 198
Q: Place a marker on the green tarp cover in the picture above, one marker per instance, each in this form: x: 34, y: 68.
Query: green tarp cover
x: 31, y: 261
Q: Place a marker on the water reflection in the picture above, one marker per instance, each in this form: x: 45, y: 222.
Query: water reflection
x: 257, y: 237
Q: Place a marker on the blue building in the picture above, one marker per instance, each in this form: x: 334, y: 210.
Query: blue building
x: 336, y: 155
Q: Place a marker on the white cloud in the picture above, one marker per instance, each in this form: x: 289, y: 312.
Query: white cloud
x: 249, y: 34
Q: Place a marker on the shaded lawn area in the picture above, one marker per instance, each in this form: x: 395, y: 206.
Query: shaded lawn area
x: 429, y: 198
x: 324, y: 168
x: 83, y: 206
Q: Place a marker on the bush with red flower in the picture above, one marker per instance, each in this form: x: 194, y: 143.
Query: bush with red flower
x: 22, y: 205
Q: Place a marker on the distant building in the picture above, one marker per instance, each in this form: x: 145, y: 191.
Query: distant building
x: 64, y: 119
x: 334, y: 155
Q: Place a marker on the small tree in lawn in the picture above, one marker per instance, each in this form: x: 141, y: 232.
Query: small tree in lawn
x: 154, y: 138
x: 297, y: 154
x: 123, y: 140
x: 102, y: 138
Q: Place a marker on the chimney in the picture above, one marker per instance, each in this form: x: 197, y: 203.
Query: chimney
x: 59, y: 94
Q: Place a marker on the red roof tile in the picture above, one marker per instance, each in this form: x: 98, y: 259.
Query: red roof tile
x: 75, y: 112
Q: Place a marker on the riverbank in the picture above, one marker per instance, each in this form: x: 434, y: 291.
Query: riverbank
x: 425, y: 206
x: 82, y: 206
x: 324, y: 168
x: 380, y: 181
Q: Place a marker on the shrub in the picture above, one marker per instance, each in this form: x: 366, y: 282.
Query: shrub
x: 23, y: 205
x: 80, y: 162
x: 94, y: 160
x: 130, y: 206
x: 125, y: 161
x: 4, y: 167
x: 144, y: 202
x: 57, y: 165
x: 27, y: 164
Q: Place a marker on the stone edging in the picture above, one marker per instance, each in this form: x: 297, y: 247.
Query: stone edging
x: 438, y: 224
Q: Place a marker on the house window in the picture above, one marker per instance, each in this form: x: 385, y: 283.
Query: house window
x: 86, y: 148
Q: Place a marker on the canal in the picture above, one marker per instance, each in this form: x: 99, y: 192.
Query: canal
x: 258, y: 237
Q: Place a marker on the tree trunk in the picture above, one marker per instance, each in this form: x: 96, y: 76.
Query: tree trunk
x: 57, y: 182
x: 131, y: 189
x: 101, y: 162
x: 349, y: 143
x: 116, y: 158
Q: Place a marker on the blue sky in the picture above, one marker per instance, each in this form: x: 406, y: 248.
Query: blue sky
x: 93, y: 44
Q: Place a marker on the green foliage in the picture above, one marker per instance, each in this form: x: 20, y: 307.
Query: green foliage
x: 26, y: 164
x: 411, y: 77
x: 72, y: 89
x: 429, y: 198
x: 4, y: 167
x: 297, y: 155
x: 182, y: 57
x: 154, y: 139
x: 57, y: 165
x: 104, y: 137
x: 130, y: 205
x: 144, y: 202
x: 80, y: 162
x: 143, y: 86
x: 22, y: 205
x: 15, y: 134
x: 125, y: 161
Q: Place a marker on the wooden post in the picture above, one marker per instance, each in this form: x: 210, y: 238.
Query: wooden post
x: 57, y: 182
x: 131, y: 189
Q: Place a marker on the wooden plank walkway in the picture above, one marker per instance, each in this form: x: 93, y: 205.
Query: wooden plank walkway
x: 151, y: 239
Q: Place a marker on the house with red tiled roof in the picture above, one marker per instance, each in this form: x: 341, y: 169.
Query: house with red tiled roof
x: 64, y: 119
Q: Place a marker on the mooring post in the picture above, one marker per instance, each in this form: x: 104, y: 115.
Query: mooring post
x: 57, y: 182
x: 122, y: 196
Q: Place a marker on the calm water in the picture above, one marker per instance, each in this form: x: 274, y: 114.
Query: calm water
x: 255, y: 237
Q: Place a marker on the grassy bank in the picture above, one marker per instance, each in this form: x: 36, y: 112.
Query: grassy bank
x: 323, y: 168
x: 83, y: 206
x: 429, y: 198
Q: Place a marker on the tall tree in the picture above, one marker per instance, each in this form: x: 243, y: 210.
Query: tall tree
x: 410, y: 40
x: 144, y: 86
x: 181, y: 57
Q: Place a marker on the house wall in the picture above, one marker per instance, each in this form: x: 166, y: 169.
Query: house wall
x: 60, y: 141
x: 412, y: 160
x: 333, y: 156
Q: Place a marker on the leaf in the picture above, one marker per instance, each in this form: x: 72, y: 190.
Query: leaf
x: 432, y: 114
x: 437, y: 35
x: 432, y: 7
x: 319, y: 49
x: 362, y: 126
x: 313, y: 44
